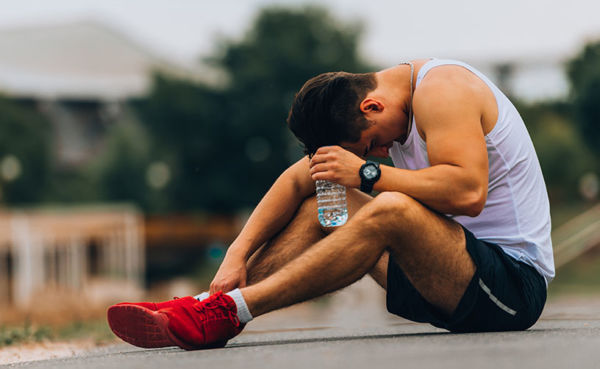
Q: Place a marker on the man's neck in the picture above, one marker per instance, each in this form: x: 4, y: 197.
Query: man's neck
x: 393, y: 85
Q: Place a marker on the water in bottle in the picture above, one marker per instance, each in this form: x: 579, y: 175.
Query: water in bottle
x: 331, y: 201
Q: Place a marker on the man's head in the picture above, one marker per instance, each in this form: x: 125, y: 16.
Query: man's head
x: 327, y: 110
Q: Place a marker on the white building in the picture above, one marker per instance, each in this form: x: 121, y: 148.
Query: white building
x: 79, y: 74
x: 71, y: 251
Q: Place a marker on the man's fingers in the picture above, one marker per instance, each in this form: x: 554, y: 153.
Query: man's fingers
x: 323, y: 158
x: 322, y: 175
x: 227, y: 287
x: 214, y: 288
x: 327, y: 150
x: 324, y: 149
x: 317, y: 159
x: 318, y: 168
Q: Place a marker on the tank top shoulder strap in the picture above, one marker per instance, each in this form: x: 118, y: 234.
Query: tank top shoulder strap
x: 439, y: 62
x: 432, y: 63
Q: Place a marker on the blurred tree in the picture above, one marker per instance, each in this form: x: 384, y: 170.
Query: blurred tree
x: 558, y: 145
x: 228, y: 145
x: 266, y: 68
x: 119, y: 173
x: 584, y: 73
x: 24, y: 153
x: 190, y: 131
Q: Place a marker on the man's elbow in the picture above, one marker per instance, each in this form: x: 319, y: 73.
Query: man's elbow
x: 473, y: 202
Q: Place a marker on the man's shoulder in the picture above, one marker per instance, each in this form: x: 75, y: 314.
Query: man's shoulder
x: 449, y: 83
x: 448, y: 76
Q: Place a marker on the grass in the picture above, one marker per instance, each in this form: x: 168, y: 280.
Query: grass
x: 26, y: 333
x: 95, y: 330
x: 582, y: 275
x: 562, y: 213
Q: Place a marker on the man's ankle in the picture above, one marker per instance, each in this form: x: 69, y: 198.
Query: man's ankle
x: 243, y: 312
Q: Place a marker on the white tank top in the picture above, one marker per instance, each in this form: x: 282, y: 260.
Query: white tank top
x: 516, y: 215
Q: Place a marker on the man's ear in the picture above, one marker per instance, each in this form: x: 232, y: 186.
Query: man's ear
x: 370, y: 104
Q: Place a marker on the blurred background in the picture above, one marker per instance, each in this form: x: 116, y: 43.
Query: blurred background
x: 136, y: 137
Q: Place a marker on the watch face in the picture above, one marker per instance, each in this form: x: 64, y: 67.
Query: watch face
x: 370, y: 172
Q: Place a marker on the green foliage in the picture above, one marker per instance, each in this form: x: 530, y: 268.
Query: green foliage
x: 558, y: 145
x: 25, y: 333
x: 584, y: 68
x: 94, y: 329
x: 120, y: 172
x: 584, y: 74
x: 227, y: 145
x: 68, y: 185
x: 25, y: 139
x: 189, y: 126
x: 284, y: 48
x: 578, y: 277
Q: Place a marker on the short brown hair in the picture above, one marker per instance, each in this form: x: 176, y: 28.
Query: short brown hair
x: 326, y: 110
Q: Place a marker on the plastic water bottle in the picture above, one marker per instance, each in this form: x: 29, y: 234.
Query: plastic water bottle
x: 331, y: 201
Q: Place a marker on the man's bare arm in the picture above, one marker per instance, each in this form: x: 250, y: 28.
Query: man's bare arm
x: 448, y: 110
x: 275, y: 209
x: 273, y: 212
x: 449, y: 116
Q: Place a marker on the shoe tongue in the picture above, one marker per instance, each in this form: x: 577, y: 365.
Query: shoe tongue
x: 223, y: 298
x: 230, y: 302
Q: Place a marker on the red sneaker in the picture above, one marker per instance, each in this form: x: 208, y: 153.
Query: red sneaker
x: 154, y: 306
x: 190, y: 325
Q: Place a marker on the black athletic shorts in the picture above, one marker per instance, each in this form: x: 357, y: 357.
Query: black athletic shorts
x: 504, y: 294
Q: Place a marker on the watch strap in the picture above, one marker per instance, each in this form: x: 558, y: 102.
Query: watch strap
x: 366, y: 184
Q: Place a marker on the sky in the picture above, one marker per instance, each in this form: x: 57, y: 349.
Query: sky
x: 470, y: 30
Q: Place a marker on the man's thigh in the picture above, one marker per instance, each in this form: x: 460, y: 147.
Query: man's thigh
x: 504, y: 294
x: 429, y: 247
x: 356, y: 200
x: 297, y: 236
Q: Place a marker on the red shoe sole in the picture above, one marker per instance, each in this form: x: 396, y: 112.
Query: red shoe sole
x: 146, y: 328
x: 140, y: 326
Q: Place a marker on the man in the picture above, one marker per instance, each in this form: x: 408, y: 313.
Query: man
x: 459, y: 234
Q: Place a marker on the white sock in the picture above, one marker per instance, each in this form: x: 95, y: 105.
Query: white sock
x: 202, y: 296
x: 242, y: 309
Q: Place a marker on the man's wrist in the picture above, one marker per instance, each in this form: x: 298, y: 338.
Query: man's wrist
x: 369, y: 174
x: 238, y: 251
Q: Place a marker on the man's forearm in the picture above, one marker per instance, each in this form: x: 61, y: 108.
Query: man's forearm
x: 445, y: 188
x: 275, y: 210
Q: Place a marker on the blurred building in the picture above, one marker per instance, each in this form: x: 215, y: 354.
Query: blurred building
x: 79, y: 74
x: 530, y: 80
x: 72, y: 251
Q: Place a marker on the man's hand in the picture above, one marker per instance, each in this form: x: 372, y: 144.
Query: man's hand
x: 335, y: 164
x: 231, y: 275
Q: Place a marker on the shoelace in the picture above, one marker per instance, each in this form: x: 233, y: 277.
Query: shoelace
x: 215, y: 302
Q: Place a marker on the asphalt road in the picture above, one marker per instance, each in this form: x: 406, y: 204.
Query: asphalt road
x: 352, y: 330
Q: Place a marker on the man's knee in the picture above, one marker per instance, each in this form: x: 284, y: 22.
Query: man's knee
x: 308, y: 207
x: 307, y: 213
x: 388, y: 205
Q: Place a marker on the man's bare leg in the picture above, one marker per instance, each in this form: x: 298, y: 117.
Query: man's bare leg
x: 301, y: 233
x: 429, y: 248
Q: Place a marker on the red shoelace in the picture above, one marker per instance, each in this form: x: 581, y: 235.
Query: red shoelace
x: 215, y: 306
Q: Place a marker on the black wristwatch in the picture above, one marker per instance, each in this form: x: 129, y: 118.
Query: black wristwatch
x: 369, y: 174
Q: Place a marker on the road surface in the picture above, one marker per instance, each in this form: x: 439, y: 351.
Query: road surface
x: 352, y: 330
